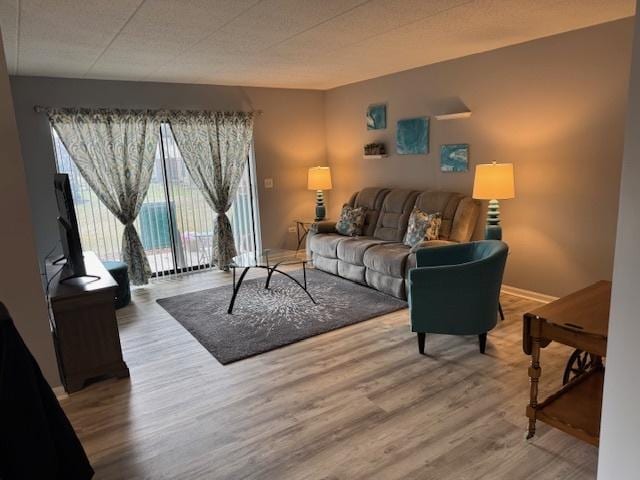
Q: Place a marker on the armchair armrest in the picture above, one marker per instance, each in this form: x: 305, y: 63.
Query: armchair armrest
x: 451, y: 254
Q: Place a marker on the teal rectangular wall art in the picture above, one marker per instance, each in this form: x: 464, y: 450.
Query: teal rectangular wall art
x: 454, y: 158
x: 377, y: 117
x: 412, y: 136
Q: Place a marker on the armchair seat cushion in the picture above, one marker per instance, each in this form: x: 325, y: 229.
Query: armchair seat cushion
x: 352, y: 250
x: 326, y: 244
x: 388, y: 259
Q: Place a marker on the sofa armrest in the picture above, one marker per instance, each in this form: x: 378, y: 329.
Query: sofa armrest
x: 325, y: 226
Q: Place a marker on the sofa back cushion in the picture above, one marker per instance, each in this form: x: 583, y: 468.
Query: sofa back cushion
x: 371, y: 199
x: 459, y: 213
x: 394, y: 215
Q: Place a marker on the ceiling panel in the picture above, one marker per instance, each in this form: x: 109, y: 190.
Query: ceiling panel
x: 273, y: 21
x: 162, y: 30
x: 361, y: 24
x: 70, y: 34
x: 471, y: 28
x: 275, y: 43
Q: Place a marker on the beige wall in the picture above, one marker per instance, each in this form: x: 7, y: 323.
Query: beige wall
x: 289, y: 138
x: 20, y: 287
x: 619, y: 441
x: 555, y: 107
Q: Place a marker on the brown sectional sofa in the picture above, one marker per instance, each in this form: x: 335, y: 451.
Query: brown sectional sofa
x: 378, y: 258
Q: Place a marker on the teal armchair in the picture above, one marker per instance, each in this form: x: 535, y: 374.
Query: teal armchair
x: 455, y: 289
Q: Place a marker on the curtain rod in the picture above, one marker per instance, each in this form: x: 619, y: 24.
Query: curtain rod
x: 42, y: 109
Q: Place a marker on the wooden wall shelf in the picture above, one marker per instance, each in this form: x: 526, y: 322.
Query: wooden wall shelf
x: 453, y: 116
x: 374, y: 157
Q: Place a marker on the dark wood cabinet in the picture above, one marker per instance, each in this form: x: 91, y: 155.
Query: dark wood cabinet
x: 84, y: 326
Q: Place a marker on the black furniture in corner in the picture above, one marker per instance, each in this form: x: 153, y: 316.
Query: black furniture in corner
x: 36, y: 439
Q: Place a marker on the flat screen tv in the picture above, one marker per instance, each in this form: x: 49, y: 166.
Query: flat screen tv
x: 68, y: 228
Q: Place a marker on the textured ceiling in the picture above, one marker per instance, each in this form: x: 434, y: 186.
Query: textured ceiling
x: 273, y: 43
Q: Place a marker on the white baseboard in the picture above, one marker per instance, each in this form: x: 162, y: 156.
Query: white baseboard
x: 528, y: 294
x: 59, y: 392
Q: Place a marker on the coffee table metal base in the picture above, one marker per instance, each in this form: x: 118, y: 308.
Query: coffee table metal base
x: 270, y: 270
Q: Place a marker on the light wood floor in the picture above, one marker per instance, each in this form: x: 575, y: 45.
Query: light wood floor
x: 355, y: 403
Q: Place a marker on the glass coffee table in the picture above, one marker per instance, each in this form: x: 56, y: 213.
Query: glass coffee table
x: 270, y: 260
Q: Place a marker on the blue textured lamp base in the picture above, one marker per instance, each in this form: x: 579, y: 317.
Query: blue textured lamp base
x: 493, y: 230
x: 321, y: 211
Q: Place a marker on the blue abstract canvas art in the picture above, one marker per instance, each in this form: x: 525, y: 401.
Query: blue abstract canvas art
x: 454, y: 158
x: 377, y: 117
x: 412, y: 136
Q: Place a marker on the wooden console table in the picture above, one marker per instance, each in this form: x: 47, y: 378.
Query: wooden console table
x: 84, y: 326
x: 581, y: 321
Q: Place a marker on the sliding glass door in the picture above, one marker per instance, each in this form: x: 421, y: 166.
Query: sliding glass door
x: 175, y: 222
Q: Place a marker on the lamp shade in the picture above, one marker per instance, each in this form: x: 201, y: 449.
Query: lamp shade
x: 319, y: 178
x: 494, y: 181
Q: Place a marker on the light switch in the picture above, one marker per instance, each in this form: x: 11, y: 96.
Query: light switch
x: 268, y: 183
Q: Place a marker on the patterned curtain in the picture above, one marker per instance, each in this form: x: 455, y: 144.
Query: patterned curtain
x: 114, y: 151
x: 215, y: 146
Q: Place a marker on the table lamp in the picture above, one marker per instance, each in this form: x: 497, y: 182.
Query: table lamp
x: 319, y: 179
x: 493, y: 182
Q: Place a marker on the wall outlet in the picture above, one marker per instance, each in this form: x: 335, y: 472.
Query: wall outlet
x: 292, y: 229
x: 268, y: 183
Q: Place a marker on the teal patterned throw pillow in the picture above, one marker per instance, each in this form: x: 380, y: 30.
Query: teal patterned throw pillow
x: 351, y: 221
x: 422, y: 226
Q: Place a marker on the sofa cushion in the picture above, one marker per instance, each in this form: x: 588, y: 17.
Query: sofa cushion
x: 351, y: 221
x: 352, y: 250
x: 371, y: 198
x: 430, y: 243
x: 394, y: 215
x: 459, y: 213
x: 355, y: 273
x: 387, y: 258
x: 386, y: 283
x: 465, y: 220
x: 325, y: 244
x: 329, y: 265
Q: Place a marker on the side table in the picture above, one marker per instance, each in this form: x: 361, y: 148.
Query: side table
x: 579, y: 320
x: 302, y: 229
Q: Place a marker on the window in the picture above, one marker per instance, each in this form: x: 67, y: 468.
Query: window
x: 175, y: 223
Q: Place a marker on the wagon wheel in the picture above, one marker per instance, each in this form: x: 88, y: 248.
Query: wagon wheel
x: 579, y: 363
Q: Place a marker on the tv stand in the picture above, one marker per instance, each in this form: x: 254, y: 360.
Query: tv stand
x: 79, y: 279
x: 84, y: 326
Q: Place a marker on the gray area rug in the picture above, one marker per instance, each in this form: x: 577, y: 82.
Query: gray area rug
x: 263, y: 320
